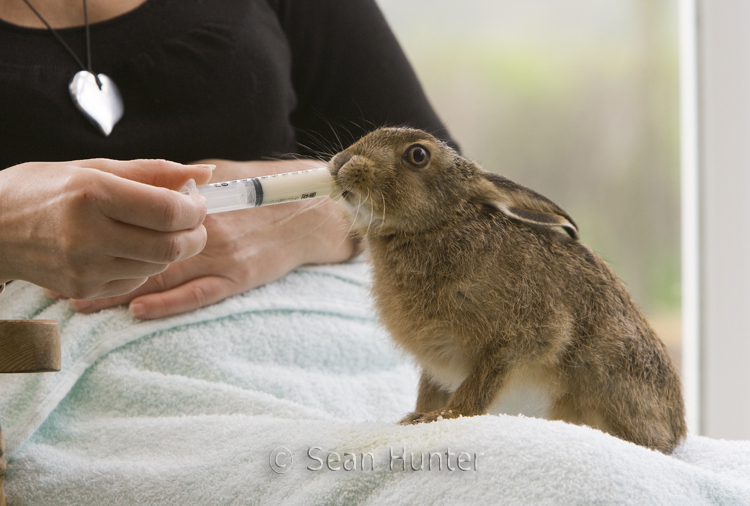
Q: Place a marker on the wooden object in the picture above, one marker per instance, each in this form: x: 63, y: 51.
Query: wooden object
x: 26, y: 346
x: 29, y: 346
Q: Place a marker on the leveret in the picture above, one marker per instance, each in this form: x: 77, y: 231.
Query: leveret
x: 487, y: 285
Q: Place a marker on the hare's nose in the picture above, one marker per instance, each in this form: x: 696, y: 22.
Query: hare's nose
x: 339, y: 161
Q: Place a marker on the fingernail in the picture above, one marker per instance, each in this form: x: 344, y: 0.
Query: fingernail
x: 80, y: 305
x: 137, y: 309
x: 209, y: 166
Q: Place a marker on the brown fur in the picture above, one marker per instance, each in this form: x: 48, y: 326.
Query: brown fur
x: 485, y: 283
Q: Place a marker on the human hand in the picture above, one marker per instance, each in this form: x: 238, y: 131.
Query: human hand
x: 97, y: 228
x: 245, y: 249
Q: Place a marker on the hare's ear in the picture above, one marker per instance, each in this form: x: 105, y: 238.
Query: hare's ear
x: 522, y: 204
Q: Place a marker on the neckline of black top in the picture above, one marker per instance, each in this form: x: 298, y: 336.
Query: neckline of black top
x: 125, y: 17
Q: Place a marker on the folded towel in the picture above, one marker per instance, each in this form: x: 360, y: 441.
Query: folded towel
x: 289, y: 394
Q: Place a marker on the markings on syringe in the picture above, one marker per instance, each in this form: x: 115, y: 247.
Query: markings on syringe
x: 284, y: 174
x: 289, y: 199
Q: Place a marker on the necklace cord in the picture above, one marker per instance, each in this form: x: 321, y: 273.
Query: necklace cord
x: 65, y: 44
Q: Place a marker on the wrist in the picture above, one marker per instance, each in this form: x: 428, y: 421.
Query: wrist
x: 5, y: 276
x: 330, y: 239
x: 14, y: 226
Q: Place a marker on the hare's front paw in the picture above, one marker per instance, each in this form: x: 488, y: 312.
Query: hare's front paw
x: 430, y: 416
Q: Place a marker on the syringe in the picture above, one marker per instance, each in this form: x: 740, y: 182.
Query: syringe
x: 264, y: 190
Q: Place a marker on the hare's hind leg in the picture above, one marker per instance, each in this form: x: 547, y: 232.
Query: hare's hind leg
x: 648, y: 415
x: 572, y: 409
x: 628, y: 406
x: 645, y: 397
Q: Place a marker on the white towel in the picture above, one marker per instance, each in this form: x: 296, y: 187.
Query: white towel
x: 297, y: 375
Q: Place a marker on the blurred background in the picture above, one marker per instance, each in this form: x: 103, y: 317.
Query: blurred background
x: 577, y: 99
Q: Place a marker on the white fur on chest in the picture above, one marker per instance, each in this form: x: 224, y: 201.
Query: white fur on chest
x: 445, y: 363
x: 528, y: 390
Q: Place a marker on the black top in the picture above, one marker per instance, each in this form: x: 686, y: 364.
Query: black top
x: 233, y: 79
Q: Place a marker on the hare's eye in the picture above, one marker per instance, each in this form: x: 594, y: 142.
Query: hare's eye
x: 417, y: 155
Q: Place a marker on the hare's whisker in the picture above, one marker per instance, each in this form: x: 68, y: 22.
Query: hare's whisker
x: 382, y: 222
x: 371, y: 216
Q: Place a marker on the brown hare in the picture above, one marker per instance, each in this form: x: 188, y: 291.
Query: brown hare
x: 486, y: 284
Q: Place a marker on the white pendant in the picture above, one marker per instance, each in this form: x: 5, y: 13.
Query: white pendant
x: 103, y: 107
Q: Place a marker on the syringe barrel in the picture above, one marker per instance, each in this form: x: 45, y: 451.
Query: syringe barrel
x: 228, y: 195
x: 224, y: 196
x: 291, y: 186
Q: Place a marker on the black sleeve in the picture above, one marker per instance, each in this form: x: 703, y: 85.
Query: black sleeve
x: 350, y: 74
